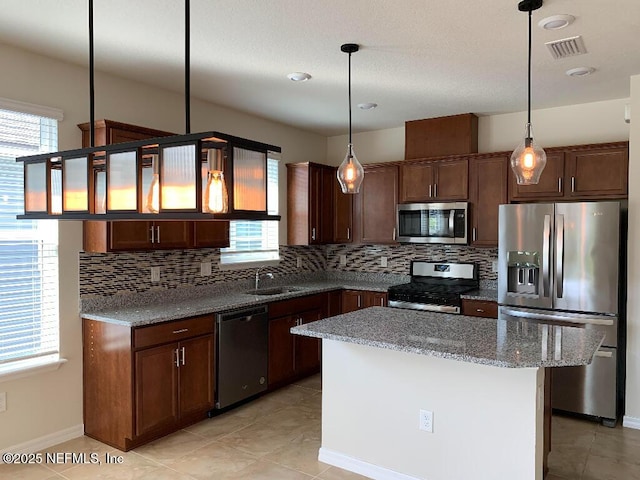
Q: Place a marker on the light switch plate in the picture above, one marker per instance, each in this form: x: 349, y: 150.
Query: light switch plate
x: 343, y: 259
x: 155, y: 274
x: 205, y: 269
x: 299, y: 262
x: 3, y: 401
x: 383, y: 261
x: 494, y: 266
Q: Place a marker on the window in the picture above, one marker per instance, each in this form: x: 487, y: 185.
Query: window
x: 28, y: 248
x: 251, y: 241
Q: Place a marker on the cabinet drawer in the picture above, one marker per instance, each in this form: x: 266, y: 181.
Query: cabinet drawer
x: 172, y: 331
x: 479, y: 308
x: 298, y: 305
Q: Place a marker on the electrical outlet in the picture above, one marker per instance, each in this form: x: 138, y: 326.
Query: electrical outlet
x: 3, y: 401
x: 155, y: 274
x: 299, y: 262
x: 426, y: 421
x: 383, y: 261
x: 494, y: 266
x: 343, y: 259
x: 205, y: 269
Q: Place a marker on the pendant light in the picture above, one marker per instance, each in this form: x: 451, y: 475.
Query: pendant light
x: 350, y: 172
x: 528, y: 159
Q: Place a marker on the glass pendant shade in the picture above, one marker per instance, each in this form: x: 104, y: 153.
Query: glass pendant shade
x: 153, y: 193
x: 350, y: 172
x: 528, y: 159
x: 215, y: 198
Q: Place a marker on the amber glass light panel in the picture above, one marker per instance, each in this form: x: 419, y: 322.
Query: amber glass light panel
x: 249, y: 180
x: 35, y: 197
x: 178, y: 173
x: 215, y: 197
x: 74, y: 183
x: 123, y: 182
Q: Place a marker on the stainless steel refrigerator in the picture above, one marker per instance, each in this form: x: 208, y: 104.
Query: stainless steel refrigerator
x: 560, y: 264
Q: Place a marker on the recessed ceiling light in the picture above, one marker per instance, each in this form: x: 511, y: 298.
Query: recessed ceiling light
x: 556, y: 22
x: 580, y: 71
x: 367, y: 106
x: 299, y: 76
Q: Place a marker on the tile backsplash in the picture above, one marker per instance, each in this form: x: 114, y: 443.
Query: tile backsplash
x: 121, y: 274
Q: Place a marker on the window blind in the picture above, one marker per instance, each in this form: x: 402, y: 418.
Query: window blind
x: 28, y: 248
x: 252, y: 241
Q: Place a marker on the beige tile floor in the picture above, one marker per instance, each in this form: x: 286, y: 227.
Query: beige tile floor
x: 277, y: 437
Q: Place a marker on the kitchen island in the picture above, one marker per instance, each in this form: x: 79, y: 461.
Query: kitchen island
x: 480, y: 382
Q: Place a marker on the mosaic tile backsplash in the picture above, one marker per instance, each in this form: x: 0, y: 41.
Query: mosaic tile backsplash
x: 122, y: 274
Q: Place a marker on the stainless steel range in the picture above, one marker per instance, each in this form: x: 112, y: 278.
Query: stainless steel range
x: 435, y: 286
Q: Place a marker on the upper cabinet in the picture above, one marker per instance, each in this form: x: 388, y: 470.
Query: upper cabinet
x: 585, y: 172
x: 434, y: 180
x: 114, y: 236
x: 376, y: 205
x: 488, y: 189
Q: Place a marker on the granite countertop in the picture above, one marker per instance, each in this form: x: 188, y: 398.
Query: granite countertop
x: 486, y: 294
x: 501, y: 343
x: 203, y: 302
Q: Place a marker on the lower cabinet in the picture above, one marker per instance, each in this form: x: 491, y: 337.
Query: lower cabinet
x: 479, y: 308
x: 353, y: 300
x: 145, y: 382
x: 293, y: 356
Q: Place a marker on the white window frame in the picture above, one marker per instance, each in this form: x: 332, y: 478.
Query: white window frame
x: 19, y: 367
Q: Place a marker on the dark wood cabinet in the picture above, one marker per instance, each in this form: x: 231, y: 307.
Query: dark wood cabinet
x: 145, y: 382
x: 434, y: 137
x: 343, y: 218
x: 293, y: 356
x: 376, y: 204
x: 353, y: 300
x: 102, y: 237
x: 434, y: 180
x: 582, y: 172
x: 488, y: 189
x: 479, y: 308
x: 310, y: 203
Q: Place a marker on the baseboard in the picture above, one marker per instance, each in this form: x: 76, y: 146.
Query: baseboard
x: 631, y: 422
x: 47, y: 441
x: 358, y: 466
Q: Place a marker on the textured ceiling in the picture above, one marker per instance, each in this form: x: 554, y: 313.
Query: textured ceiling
x: 418, y: 58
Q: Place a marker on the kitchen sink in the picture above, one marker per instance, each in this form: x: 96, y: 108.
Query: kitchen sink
x: 273, y: 291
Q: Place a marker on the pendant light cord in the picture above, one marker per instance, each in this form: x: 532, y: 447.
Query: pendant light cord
x: 529, y: 75
x: 187, y: 77
x: 349, y: 97
x: 92, y: 107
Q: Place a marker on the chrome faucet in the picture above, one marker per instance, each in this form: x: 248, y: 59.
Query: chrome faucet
x: 268, y: 275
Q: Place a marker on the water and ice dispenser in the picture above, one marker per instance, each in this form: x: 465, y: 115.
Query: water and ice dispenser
x: 523, y: 270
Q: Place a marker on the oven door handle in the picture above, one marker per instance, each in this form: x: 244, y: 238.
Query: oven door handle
x: 452, y: 224
x: 424, y: 307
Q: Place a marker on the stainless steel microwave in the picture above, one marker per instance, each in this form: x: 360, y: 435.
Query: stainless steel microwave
x: 433, y: 222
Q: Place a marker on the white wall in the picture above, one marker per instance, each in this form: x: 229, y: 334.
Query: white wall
x: 487, y: 422
x: 596, y: 122
x: 632, y: 411
x: 44, y: 404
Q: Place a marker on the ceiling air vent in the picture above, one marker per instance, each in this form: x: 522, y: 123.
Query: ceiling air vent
x: 567, y: 47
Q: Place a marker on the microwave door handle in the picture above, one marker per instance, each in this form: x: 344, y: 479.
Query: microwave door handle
x: 452, y: 217
x: 546, y: 240
x: 560, y: 256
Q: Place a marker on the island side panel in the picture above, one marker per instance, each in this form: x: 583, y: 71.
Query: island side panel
x: 487, y: 421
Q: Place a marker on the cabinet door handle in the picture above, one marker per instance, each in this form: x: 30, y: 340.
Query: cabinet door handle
x: 394, y: 233
x: 382, y: 301
x: 559, y: 184
x: 182, y: 330
x: 435, y: 189
x: 348, y: 233
x: 479, y: 310
x: 359, y: 301
x: 573, y: 184
x: 182, y: 354
x: 158, y: 233
x: 313, y: 233
x: 473, y: 234
x: 153, y: 235
x: 177, y: 357
x: 430, y: 187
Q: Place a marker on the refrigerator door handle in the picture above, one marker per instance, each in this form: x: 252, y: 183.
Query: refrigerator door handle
x: 559, y: 256
x: 585, y: 319
x: 546, y: 240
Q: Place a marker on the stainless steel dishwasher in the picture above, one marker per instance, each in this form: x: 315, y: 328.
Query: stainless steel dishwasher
x: 242, y: 354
